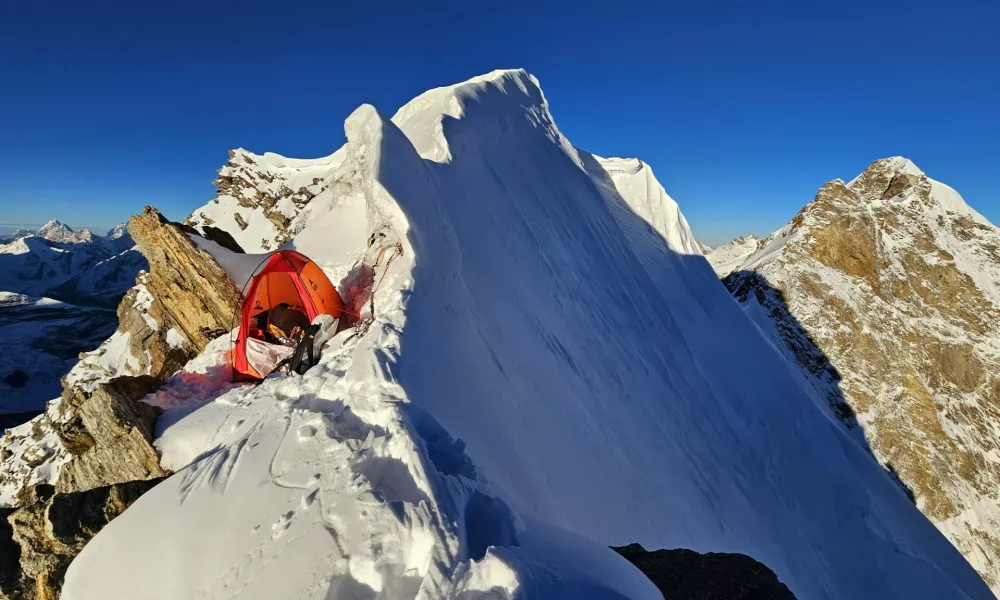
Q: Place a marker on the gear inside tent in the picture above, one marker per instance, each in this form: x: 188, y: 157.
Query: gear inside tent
x: 288, y: 292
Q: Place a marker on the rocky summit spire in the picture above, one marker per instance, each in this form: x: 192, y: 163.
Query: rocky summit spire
x: 886, y: 291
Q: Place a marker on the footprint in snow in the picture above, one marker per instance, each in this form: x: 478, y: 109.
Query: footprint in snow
x: 279, y: 528
x: 306, y: 432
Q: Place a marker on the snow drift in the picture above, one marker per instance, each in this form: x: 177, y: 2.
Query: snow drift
x: 553, y: 368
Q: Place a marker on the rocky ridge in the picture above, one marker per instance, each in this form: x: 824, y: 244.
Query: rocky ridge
x: 258, y: 196
x: 69, y: 471
x: 886, y: 291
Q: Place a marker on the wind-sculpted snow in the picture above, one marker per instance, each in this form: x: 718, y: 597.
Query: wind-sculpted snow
x: 546, y: 376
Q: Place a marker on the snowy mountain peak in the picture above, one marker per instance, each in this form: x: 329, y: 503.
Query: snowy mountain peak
x: 56, y: 231
x: 900, y: 182
x: 634, y: 182
x: 264, y: 200
x: 504, y: 99
x: 727, y: 257
x: 117, y: 231
x: 886, y: 291
x: 891, y: 166
x: 53, y: 224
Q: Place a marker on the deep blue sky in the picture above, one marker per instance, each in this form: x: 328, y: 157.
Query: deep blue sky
x: 742, y: 108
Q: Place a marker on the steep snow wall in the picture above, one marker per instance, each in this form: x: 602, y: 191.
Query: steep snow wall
x: 606, y: 387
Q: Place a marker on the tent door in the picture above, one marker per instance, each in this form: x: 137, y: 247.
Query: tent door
x: 264, y: 357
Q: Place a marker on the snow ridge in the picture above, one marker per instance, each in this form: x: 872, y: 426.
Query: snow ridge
x: 545, y: 376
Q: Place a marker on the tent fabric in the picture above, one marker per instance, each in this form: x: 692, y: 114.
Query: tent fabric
x: 286, y: 277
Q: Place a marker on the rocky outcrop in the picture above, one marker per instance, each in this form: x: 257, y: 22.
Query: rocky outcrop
x: 259, y: 196
x: 69, y: 471
x: 51, y: 530
x: 886, y: 291
x: 109, y: 435
x: 687, y: 575
x: 191, y: 291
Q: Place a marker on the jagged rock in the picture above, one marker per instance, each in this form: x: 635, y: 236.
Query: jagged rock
x: 886, y: 290
x: 177, y: 307
x: 109, y: 434
x: 51, y: 530
x: 191, y: 291
x: 687, y: 575
x: 258, y: 197
x: 214, y: 234
x: 10, y: 556
x: 97, y: 431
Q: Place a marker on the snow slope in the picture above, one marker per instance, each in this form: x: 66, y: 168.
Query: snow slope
x: 546, y: 375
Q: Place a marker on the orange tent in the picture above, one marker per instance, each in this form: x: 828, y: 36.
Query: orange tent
x: 286, y: 277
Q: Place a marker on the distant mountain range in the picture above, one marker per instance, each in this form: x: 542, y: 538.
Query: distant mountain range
x: 58, y: 291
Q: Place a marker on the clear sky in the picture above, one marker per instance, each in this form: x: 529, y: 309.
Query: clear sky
x: 742, y: 108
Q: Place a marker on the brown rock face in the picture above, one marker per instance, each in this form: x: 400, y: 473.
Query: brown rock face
x: 50, y: 531
x: 894, y: 283
x: 109, y: 435
x: 191, y: 291
x: 844, y: 238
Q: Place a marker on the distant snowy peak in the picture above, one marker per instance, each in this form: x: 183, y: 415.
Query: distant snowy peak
x: 72, y: 266
x: 727, y: 257
x: 55, y: 231
x: 118, y: 231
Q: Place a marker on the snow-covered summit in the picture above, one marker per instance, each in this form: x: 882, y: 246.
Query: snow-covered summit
x: 264, y: 200
x: 545, y: 376
x: 56, y: 231
x: 117, y: 232
x: 729, y: 256
x: 894, y: 164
